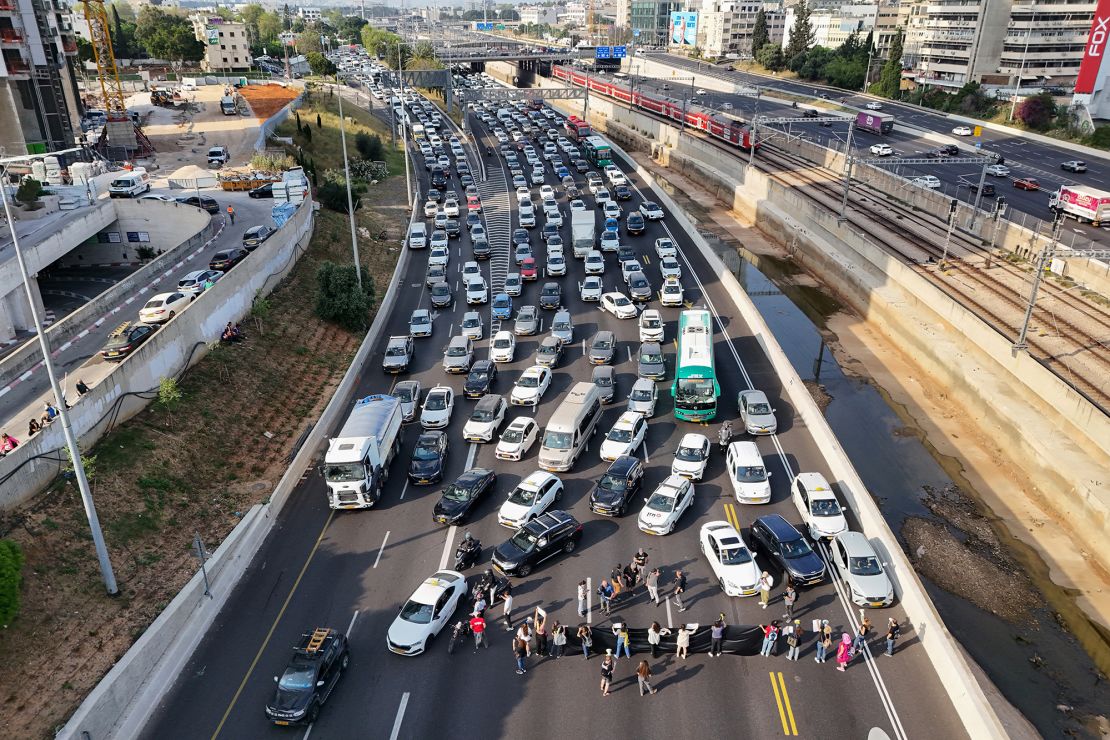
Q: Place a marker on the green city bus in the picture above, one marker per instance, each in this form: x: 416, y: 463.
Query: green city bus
x: 695, y: 388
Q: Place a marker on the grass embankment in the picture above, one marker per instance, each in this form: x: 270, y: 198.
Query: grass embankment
x: 170, y: 472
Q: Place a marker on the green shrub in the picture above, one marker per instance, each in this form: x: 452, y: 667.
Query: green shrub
x: 339, y: 298
x: 11, y: 577
x: 369, y: 146
x: 28, y: 193
x: 332, y: 195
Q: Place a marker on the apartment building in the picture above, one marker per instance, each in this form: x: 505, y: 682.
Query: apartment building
x: 38, y: 90
x: 309, y: 15
x: 226, y: 45
x: 725, y: 26
x: 574, y: 14
x: 623, y: 14
x: 833, y: 26
x: 539, y: 14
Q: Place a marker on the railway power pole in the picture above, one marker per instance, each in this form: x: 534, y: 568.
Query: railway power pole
x: 952, y: 205
x: 987, y: 162
x: 848, y: 162
x: 999, y: 213
x: 347, y: 176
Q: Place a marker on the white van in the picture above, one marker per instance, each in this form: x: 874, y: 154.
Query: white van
x: 751, y: 483
x: 570, y: 428
x: 130, y: 184
x: 418, y: 235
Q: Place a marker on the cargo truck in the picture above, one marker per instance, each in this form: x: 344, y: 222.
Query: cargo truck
x: 582, y: 232
x: 356, y: 465
x: 876, y: 123
x: 1082, y: 203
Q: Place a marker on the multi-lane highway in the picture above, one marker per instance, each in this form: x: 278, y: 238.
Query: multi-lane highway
x: 353, y: 570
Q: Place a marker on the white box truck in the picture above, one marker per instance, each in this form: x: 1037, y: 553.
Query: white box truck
x: 356, y: 465
x: 582, y: 232
x: 1082, y: 203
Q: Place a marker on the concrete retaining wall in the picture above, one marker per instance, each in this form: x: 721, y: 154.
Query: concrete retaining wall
x: 43, y: 247
x: 164, y: 224
x: 177, y: 345
x: 186, y: 220
x: 122, y: 702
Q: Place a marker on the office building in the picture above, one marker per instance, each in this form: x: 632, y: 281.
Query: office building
x: 226, y: 45
x: 539, y: 14
x: 652, y: 18
x: 574, y: 14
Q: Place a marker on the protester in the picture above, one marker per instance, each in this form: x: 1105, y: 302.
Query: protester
x: 582, y: 594
x: 682, y: 642
x: 766, y: 583
x: 655, y: 633
x: 623, y: 638
x: 606, y: 593
x: 607, y: 666
x: 643, y: 673
x: 679, y: 589
x: 770, y: 637
x: 586, y: 639
x: 82, y: 389
x: 717, y: 636
x: 844, y: 652
x: 893, y: 632
x: 824, y: 641
x: 520, y: 649
x: 794, y: 640
x: 652, y: 583
x: 558, y: 640
x: 478, y: 627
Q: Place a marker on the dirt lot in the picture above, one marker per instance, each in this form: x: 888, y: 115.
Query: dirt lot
x: 168, y: 473
x: 266, y: 100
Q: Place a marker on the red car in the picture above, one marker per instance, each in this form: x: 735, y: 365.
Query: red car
x: 1027, y: 183
x: 528, y: 268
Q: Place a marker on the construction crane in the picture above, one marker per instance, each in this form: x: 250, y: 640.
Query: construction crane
x: 121, y: 136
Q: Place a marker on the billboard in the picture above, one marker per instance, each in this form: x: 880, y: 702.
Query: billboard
x: 684, y: 28
x: 1094, y: 50
x: 213, y: 35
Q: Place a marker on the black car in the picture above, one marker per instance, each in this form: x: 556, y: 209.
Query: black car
x: 428, y: 458
x: 439, y: 180
x: 319, y: 659
x: 634, y: 224
x: 541, y: 538
x: 263, y: 191
x: 573, y: 192
x: 810, y: 113
x: 947, y: 150
x: 480, y: 380
x: 480, y: 249
x: 201, y: 201
x: 785, y: 545
x: 626, y: 253
x: 459, y: 497
x: 551, y: 296
x: 225, y: 259
x: 255, y: 235
x: 622, y: 192
x: 612, y: 493
x: 451, y: 226
x: 988, y: 188
x: 125, y: 339
x: 520, y: 236
x: 549, y: 230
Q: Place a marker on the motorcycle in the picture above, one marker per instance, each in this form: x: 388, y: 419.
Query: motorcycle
x: 490, y: 586
x: 458, y: 633
x: 725, y: 435
x: 467, y: 557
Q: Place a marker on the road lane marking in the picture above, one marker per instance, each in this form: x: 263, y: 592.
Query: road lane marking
x: 378, y: 559
x: 447, y: 546
x: 308, y: 731
x: 404, y: 489
x: 400, y: 716
x: 730, y: 514
x: 273, y: 627
x: 351, y: 626
x: 786, y: 703
x: 778, y: 701
x: 670, y: 621
x: 643, y: 449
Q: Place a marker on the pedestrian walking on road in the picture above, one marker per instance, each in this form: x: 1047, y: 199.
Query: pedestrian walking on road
x: 679, y: 589
x: 682, y: 641
x: 507, y: 605
x: 893, y: 632
x: 652, y: 583
x: 843, y: 652
x: 716, y: 637
x: 231, y: 214
x: 605, y: 592
x: 582, y: 594
x: 558, y: 640
x: 586, y: 639
x: 794, y: 640
x: 789, y: 597
x: 862, y: 633
x: 540, y: 623
x: 766, y: 583
x: 623, y: 638
x: 654, y: 635
x: 478, y: 627
x: 824, y: 641
x: 639, y: 564
x: 770, y: 637
x: 643, y: 673
x: 520, y: 650
x: 607, y: 667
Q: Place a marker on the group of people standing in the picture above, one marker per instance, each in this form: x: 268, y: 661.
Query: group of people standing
x: 846, y: 648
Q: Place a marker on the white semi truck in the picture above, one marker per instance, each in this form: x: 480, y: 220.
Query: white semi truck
x: 356, y: 465
x: 582, y: 232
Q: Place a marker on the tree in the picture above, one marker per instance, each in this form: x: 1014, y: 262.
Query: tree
x: 11, y: 578
x: 771, y: 57
x: 167, y: 36
x: 760, y: 35
x: 308, y: 41
x: 844, y: 72
x: 801, y: 33
x: 28, y: 193
x: 169, y: 395
x: 369, y: 146
x: 890, y: 81
x: 1037, y: 111
x: 119, y: 39
x: 339, y: 298
x: 333, y: 196
x: 319, y: 64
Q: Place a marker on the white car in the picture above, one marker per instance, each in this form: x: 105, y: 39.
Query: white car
x: 691, y: 457
x: 527, y: 218
x: 437, y: 408
x: 487, y: 416
x: 470, y: 268
x: 530, y: 386
x: 439, y: 239
x: 594, y: 263
x: 601, y: 196
x: 821, y: 511
x: 643, y: 397
x: 628, y: 267
x: 451, y: 208
x: 730, y: 559
x: 529, y: 499
x: 962, y: 131
x: 556, y: 265
x: 439, y: 256
x: 517, y: 438
x: 553, y: 216
x: 665, y: 247
x: 591, y: 289
x: 512, y: 284
x: 926, y: 181
x: 420, y: 323
x: 651, y: 211
x: 874, y: 105
x: 626, y: 435
x: 577, y: 205
x: 164, y: 307
x: 671, y: 293
x: 472, y: 325
x: 651, y: 326
x: 669, y: 268
x: 476, y: 291
x: 426, y: 613
x: 612, y: 209
x: 882, y: 150
x: 430, y: 208
x: 523, y: 194
x: 610, y: 241
x: 547, y: 192
x: 158, y: 196
x: 662, y: 511
x: 538, y: 176
x: 862, y: 570
x: 998, y: 170
x: 502, y: 347
x: 619, y: 305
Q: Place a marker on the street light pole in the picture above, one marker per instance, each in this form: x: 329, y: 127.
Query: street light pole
x: 1021, y: 69
x: 404, y: 131
x: 106, y: 572
x: 347, y: 177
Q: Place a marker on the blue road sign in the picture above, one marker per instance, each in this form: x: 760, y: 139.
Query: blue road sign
x: 618, y: 52
x: 604, y: 52
x: 635, y: 32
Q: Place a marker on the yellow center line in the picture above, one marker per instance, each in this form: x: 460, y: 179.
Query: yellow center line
x: 778, y: 700
x: 273, y: 626
x: 786, y: 701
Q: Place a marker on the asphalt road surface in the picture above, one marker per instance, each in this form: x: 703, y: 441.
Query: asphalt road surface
x: 353, y: 570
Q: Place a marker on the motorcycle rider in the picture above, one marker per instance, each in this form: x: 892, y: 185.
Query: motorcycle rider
x: 469, y: 549
x: 725, y: 434
x: 489, y: 150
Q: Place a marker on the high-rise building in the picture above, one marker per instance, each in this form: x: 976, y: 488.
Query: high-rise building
x: 38, y: 89
x: 539, y: 14
x: 725, y: 26
x: 652, y: 18
x: 623, y: 17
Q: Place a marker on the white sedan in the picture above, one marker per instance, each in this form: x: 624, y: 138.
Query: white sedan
x: 671, y: 294
x: 669, y: 268
x: 874, y: 105
x: 962, y: 131
x: 547, y: 192
x: 517, y: 438
x: 821, y: 511
x: 882, y: 150
x: 651, y: 211
x: 610, y: 241
x: 523, y: 194
x: 577, y: 205
x: 426, y: 613
x: 439, y: 256
x: 594, y: 263
x: 669, y: 501
x: 730, y: 559
x: 926, y: 181
x: 691, y: 457
x: 619, y: 305
x: 530, y: 386
x: 529, y: 499
x: 438, y: 405
x: 665, y: 247
x: 163, y: 307
x: 591, y: 289
x: 626, y: 435
x: 998, y: 170
x: 503, y: 346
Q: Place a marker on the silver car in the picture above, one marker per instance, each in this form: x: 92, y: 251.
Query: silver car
x: 562, y: 328
x: 458, y: 355
x: 549, y: 352
x: 408, y: 393
x: 639, y: 288
x: 756, y: 412
x: 435, y: 274
x: 604, y: 377
x: 649, y: 361
x: 862, y: 570
x: 420, y: 323
x: 398, y: 354
x: 602, y: 348
x: 527, y: 321
x: 643, y: 397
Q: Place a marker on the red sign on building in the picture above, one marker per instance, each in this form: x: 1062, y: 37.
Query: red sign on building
x: 1094, y: 50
